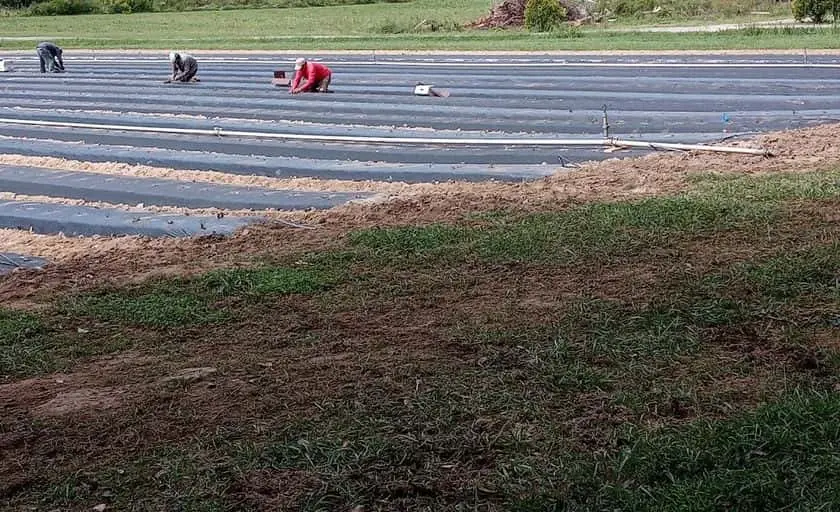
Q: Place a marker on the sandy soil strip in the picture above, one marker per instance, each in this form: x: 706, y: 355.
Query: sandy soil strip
x: 215, y: 177
x: 172, y: 210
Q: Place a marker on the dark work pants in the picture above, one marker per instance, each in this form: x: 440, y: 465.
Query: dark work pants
x: 324, y: 84
x: 188, y: 74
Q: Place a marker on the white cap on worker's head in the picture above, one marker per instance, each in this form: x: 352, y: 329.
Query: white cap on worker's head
x: 299, y: 63
x: 172, y: 56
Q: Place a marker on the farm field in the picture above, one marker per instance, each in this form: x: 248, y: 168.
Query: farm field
x: 221, y: 297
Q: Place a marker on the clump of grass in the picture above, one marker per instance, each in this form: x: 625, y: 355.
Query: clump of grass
x: 413, y: 241
x: 29, y: 345
x: 168, y: 478
x: 264, y: 281
x: 812, y: 272
x: 761, y: 32
x: 402, y: 26
x: 603, y: 231
x: 179, y: 303
x: 23, y: 344
x: 780, y: 456
x: 772, y: 187
x: 164, y: 307
x: 620, y: 332
x: 591, y: 232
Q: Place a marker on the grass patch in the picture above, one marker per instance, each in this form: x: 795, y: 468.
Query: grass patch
x: 596, y: 232
x: 23, y: 344
x: 209, y: 5
x: 183, y: 303
x: 511, y: 363
x: 30, y: 346
x: 605, y: 231
x: 410, y: 240
x: 811, y: 272
x: 403, y: 26
x: 659, y: 10
x: 264, y: 281
x: 162, y: 308
x: 772, y: 187
x: 595, y: 345
x: 782, y: 456
x: 417, y: 26
x: 77, y: 7
x: 618, y: 332
x: 172, y: 478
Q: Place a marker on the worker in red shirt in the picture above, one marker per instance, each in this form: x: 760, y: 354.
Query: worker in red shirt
x: 317, y: 77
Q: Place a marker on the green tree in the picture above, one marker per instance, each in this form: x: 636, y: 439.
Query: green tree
x: 544, y: 15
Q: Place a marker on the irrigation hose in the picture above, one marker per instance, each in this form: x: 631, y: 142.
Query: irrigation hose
x: 220, y: 132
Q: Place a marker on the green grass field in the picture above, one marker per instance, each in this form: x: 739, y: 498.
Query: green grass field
x: 417, y: 25
x: 667, y: 354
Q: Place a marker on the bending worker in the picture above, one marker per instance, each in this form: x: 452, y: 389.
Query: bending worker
x: 50, y: 56
x: 184, y: 68
x: 317, y: 77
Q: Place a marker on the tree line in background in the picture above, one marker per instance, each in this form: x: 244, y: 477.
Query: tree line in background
x: 536, y: 15
x: 545, y: 15
x: 542, y: 15
x: 816, y: 10
x: 69, y: 7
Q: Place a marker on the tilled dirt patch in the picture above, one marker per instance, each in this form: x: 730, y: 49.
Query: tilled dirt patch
x: 97, y: 260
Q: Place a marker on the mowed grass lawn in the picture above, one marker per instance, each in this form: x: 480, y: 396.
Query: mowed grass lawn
x: 416, y: 25
x: 667, y: 354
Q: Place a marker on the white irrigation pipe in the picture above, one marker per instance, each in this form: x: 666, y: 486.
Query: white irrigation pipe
x: 217, y: 131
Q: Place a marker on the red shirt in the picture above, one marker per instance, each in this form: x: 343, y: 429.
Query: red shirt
x: 314, y: 73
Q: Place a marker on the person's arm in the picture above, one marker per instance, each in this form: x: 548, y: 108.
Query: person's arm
x: 296, y: 81
x: 310, y: 80
x: 180, y: 71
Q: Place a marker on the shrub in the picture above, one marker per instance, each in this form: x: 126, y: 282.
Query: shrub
x: 834, y: 7
x: 813, y: 9
x: 15, y: 4
x: 544, y: 15
x: 62, y: 7
x: 628, y: 8
x: 126, y: 6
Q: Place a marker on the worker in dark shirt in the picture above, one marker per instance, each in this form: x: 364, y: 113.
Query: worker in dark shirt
x: 317, y: 76
x: 184, y: 68
x: 50, y: 56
